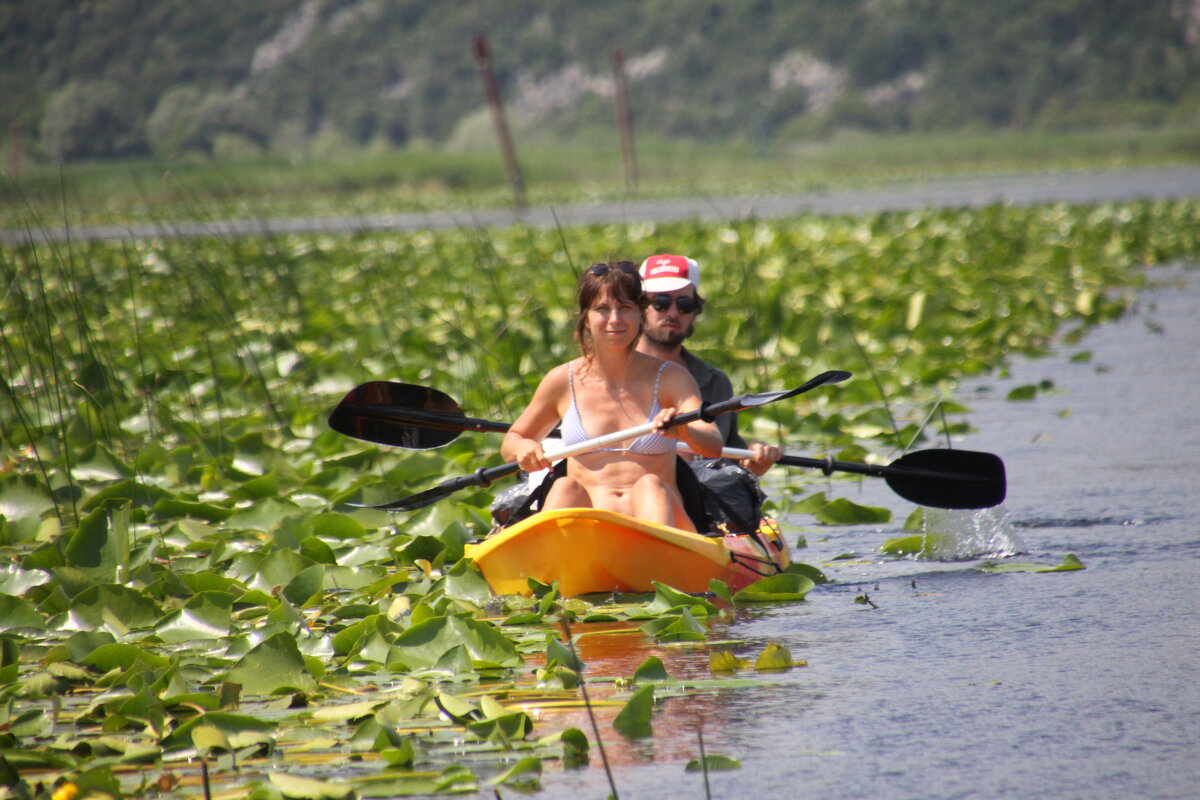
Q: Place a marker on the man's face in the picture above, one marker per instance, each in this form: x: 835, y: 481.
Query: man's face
x: 668, y: 327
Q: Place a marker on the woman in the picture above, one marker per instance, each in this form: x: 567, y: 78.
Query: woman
x: 613, y: 387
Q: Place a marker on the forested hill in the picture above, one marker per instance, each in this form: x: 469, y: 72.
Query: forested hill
x: 109, y: 78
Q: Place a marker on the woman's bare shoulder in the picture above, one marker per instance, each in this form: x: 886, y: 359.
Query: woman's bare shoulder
x: 555, y: 380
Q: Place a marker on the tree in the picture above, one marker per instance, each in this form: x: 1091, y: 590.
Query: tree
x: 90, y: 119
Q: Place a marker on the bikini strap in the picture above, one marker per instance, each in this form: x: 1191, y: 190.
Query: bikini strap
x: 657, y: 381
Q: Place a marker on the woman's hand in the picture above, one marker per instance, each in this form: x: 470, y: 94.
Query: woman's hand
x: 660, y: 424
x: 530, y: 456
x: 702, y: 438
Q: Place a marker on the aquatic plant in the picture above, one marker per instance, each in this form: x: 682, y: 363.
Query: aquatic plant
x: 182, y: 578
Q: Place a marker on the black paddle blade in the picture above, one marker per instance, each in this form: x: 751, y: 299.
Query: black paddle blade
x: 949, y: 478
x: 829, y: 376
x: 745, y: 401
x: 399, y: 414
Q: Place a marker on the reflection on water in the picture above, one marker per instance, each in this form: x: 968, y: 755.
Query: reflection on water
x: 957, y: 535
x: 611, y: 654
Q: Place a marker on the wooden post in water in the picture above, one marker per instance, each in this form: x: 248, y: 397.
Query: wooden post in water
x: 484, y: 61
x: 624, y: 124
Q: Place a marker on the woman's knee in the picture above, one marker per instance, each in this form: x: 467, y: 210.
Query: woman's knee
x: 566, y: 492
x: 650, y: 485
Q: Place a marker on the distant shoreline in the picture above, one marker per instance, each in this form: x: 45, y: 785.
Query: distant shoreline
x: 1022, y: 190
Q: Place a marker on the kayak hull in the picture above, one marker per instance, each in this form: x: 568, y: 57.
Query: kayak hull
x: 588, y: 550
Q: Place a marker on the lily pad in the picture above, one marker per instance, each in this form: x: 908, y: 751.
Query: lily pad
x: 1070, y: 563
x: 299, y: 788
x: 712, y: 762
x: 776, y: 656
x: 784, y: 587
x: 525, y: 772
x: 424, y: 643
x: 274, y: 665
x: 16, y: 613
x: 633, y: 721
x: 846, y: 512
x: 651, y: 671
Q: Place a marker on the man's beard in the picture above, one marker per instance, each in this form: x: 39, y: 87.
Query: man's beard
x: 670, y: 339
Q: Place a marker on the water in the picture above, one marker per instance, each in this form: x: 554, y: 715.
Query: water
x: 965, y: 684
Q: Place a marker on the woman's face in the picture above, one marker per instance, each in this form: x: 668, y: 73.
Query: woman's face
x: 614, y: 321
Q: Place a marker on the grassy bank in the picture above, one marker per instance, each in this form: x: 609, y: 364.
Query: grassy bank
x: 422, y: 179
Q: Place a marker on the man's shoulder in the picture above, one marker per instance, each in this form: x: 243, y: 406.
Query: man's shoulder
x: 697, y: 365
x: 707, y: 376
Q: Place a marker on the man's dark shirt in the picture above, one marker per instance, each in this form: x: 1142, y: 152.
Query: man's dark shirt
x: 715, y: 386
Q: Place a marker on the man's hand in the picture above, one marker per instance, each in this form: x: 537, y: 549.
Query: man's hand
x: 765, y: 456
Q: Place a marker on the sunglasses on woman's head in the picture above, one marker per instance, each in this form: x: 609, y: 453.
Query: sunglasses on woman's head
x: 624, y: 266
x: 685, y: 304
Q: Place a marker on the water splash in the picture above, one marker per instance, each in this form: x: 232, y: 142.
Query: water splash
x: 957, y: 535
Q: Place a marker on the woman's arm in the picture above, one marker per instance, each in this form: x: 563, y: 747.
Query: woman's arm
x: 523, y: 442
x: 678, y: 394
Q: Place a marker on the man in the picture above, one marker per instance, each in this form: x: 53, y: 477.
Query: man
x: 673, y: 285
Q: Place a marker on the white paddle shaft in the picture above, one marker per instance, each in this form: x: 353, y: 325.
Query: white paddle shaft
x: 600, y: 441
x: 611, y: 438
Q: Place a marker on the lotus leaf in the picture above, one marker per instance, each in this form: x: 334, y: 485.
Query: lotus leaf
x: 776, y: 656
x: 201, y: 618
x: 526, y: 772
x: 305, y: 588
x: 575, y: 747
x: 724, y: 662
x: 263, y: 516
x: 452, y: 780
x: 298, y: 788
x: 675, y: 627
x: 241, y: 730
x: 504, y: 728
x: 99, y: 548
x: 274, y: 665
x: 808, y: 571
x: 712, y: 763
x: 1070, y: 563
x: 113, y: 606
x: 453, y: 663
x: 667, y: 598
x: 633, y: 721
x: 651, y: 671
x: 130, y: 491
x: 466, y: 582
x: 17, y: 613
x: 21, y: 509
x: 720, y: 589
x: 846, y: 512
x: 121, y: 656
x: 784, y: 587
x: 425, y: 642
x: 558, y: 653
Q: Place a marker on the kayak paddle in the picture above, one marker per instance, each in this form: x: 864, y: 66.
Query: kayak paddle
x: 935, y: 478
x: 420, y: 417
x: 708, y: 412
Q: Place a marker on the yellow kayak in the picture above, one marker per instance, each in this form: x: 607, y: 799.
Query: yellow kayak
x: 587, y: 550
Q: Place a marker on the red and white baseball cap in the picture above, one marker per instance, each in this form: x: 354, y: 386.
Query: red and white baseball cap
x: 666, y: 273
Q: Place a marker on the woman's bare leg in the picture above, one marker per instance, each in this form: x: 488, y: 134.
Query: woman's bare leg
x: 655, y: 501
x: 566, y: 492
